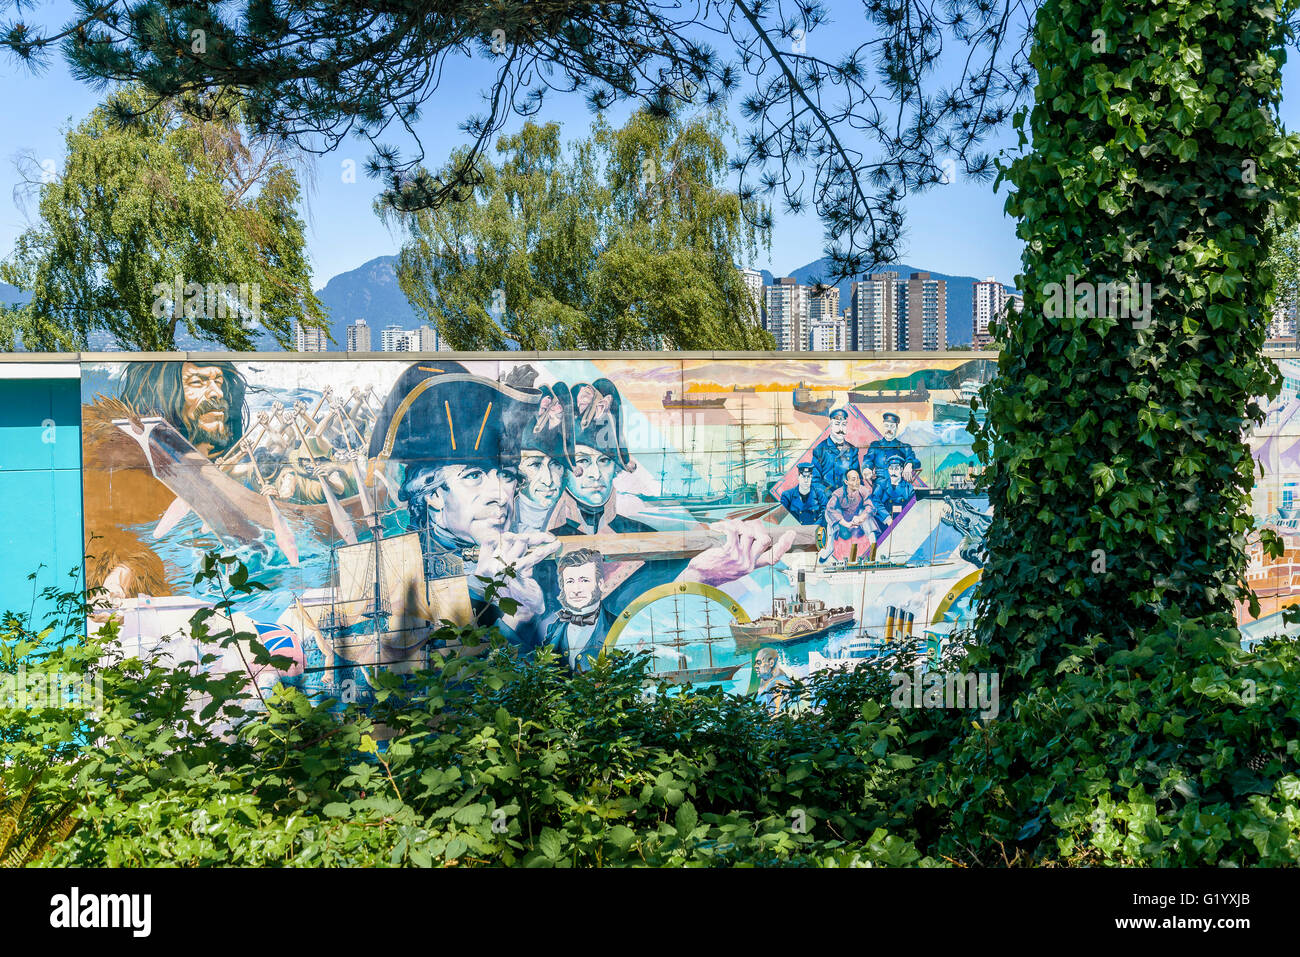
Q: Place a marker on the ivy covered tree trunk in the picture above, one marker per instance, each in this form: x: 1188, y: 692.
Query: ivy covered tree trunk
x: 1119, y: 473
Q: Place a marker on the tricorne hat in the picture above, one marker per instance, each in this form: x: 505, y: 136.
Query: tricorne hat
x: 598, y: 420
x: 439, y: 414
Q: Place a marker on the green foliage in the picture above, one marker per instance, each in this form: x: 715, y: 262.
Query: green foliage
x: 490, y: 760
x: 628, y: 241
x: 1118, y: 470
x: 148, y: 194
x: 1183, y: 752
x: 1285, y: 264
x: 26, y: 837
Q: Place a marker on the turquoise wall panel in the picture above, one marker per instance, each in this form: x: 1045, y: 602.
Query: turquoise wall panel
x: 40, y: 490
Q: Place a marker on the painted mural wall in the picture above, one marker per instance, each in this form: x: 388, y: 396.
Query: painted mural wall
x: 744, y: 520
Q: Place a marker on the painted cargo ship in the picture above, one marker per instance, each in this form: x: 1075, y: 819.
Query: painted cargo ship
x: 919, y: 394
x: 674, y: 401
x: 793, y: 619
x: 806, y: 402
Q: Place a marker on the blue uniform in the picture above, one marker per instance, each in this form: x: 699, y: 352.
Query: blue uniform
x: 878, y: 454
x: 807, y: 509
x: 831, y: 463
x: 884, y: 498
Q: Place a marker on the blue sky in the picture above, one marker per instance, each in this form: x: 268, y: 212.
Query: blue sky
x: 958, y: 228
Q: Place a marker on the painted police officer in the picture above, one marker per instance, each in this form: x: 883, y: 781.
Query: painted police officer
x: 891, y: 494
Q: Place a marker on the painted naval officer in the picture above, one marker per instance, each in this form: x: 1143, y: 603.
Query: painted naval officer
x: 805, y: 501
x: 876, y: 458
x: 835, y: 455
x: 892, y: 493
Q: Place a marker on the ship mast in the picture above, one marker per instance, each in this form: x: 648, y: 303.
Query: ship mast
x: 742, y: 445
x: 708, y: 633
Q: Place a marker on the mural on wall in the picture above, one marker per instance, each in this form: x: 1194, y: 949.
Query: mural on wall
x: 1276, y: 503
x: 747, y: 521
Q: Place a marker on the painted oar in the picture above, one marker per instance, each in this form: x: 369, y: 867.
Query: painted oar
x: 339, y: 517
x: 341, y: 520
x: 176, y: 511
x: 366, y: 507
x: 279, y: 527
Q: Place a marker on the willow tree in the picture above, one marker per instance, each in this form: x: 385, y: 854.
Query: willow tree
x: 165, y: 225
x: 627, y: 240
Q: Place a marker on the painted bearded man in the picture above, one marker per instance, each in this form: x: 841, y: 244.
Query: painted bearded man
x: 204, y: 402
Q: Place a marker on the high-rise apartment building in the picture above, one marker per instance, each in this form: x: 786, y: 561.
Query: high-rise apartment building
x: 922, y: 307
x: 1286, y: 319
x: 359, y: 336
x: 787, y: 312
x: 873, y: 308
x: 827, y: 334
x: 393, y: 339
x: 754, y: 283
x: 989, y: 302
x: 423, y: 339
x: 309, y: 340
x: 823, y: 302
x: 428, y: 340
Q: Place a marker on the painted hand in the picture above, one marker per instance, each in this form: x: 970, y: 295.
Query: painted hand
x: 522, y: 550
x: 749, y: 546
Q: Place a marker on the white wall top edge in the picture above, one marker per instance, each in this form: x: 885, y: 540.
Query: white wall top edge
x: 40, y: 370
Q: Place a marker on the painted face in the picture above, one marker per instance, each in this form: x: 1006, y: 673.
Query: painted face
x: 580, y: 585
x: 541, y: 478
x: 204, y: 412
x: 473, y: 504
x: 805, y: 482
x: 839, y: 430
x: 852, y: 480
x: 895, y: 471
x: 591, y: 480
x: 890, y: 428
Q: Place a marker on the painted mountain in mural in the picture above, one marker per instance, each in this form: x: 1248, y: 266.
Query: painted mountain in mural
x: 977, y: 369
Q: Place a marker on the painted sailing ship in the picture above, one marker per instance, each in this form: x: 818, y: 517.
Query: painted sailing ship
x: 687, y: 497
x: 793, y: 619
x: 684, y: 673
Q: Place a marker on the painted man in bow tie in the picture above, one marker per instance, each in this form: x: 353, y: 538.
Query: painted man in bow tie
x: 578, y: 631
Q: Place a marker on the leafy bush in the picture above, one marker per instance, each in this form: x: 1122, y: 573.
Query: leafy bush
x: 1125, y: 758
x: 488, y: 760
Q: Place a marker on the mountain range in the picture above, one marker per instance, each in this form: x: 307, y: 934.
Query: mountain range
x: 371, y: 292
